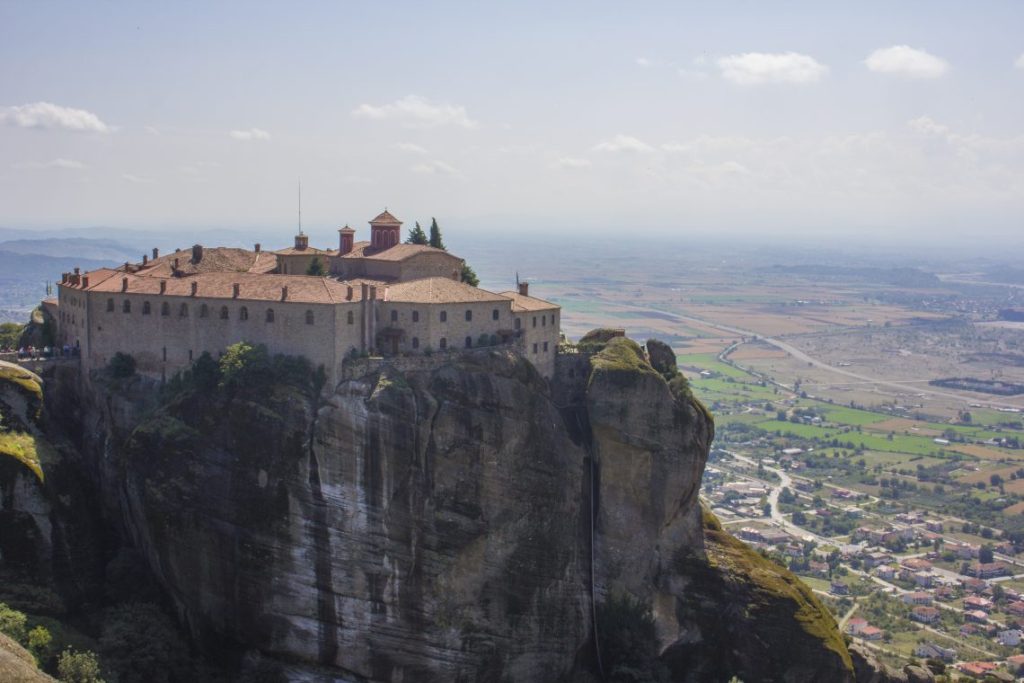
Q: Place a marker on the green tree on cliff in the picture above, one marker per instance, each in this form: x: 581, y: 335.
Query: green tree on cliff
x: 417, y: 236
x: 435, y: 235
x: 469, y: 276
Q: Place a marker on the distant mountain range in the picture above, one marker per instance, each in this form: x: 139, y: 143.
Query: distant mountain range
x: 72, y: 247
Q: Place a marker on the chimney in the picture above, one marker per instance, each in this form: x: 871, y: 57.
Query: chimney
x: 85, y: 282
x: 347, y: 236
x: 124, y: 284
x: 145, y: 259
x: 195, y: 288
x: 236, y: 290
x: 163, y: 286
x: 348, y: 293
x: 284, y: 293
x: 524, y: 288
x: 156, y: 253
x: 77, y: 271
x: 175, y: 264
x: 197, y: 253
x: 257, y: 248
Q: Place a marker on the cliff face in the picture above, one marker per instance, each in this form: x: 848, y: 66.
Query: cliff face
x: 436, y: 524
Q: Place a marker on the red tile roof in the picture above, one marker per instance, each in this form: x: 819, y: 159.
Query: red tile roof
x: 252, y: 286
x: 399, y: 252
x: 433, y: 290
x: 385, y: 218
x: 527, y: 303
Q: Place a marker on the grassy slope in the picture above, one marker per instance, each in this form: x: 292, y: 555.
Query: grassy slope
x: 729, y: 553
x: 14, y: 443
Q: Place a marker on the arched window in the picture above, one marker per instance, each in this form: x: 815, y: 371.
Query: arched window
x: 183, y: 311
x: 415, y: 316
x: 126, y: 307
x: 110, y: 305
x: 444, y: 316
x: 351, y: 318
x: 394, y: 316
x: 415, y: 342
x: 469, y: 315
x: 443, y: 343
x: 223, y: 312
x: 145, y: 308
x: 243, y: 313
x: 494, y: 314
x: 204, y: 311
x: 270, y: 315
x: 469, y: 342
x: 165, y: 309
x: 309, y: 317
x: 519, y: 323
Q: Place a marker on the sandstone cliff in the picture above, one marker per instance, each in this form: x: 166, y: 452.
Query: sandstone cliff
x: 456, y: 522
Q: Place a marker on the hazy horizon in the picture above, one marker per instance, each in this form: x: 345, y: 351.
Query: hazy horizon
x: 893, y: 123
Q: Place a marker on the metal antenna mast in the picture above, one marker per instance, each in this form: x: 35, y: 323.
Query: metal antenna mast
x: 300, y: 206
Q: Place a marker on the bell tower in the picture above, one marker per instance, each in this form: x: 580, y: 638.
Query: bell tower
x: 385, y: 231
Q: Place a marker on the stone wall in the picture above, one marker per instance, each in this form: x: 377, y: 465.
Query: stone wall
x: 163, y: 344
x: 540, y: 337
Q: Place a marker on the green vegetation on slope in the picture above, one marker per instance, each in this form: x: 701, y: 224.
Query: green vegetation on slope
x: 15, y: 441
x: 621, y: 356
x: 728, y: 553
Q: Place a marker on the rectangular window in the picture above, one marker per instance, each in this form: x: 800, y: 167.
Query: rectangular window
x: 545, y: 347
x: 535, y: 348
x: 415, y: 316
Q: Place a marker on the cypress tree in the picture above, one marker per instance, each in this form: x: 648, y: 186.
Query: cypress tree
x: 316, y: 267
x: 435, y: 235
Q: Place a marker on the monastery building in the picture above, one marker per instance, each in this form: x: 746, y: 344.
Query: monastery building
x: 376, y: 297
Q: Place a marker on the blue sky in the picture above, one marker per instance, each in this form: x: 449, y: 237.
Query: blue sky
x: 735, y: 118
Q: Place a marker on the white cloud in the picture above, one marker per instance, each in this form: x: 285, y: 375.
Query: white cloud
x: 135, y: 179
x: 414, y: 111
x: 1020, y: 62
x: 927, y: 126
x: 69, y: 164
x: 410, y: 147
x: 644, y: 62
x: 435, y: 168
x: 756, y: 68
x: 251, y: 134
x: 623, y: 143
x: 571, y: 162
x: 903, y: 60
x: 47, y: 115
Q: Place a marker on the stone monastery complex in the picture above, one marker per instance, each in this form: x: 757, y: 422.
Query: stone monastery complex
x: 379, y: 297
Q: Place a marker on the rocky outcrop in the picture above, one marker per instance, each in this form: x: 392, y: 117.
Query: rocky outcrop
x: 450, y: 523
x: 17, y: 665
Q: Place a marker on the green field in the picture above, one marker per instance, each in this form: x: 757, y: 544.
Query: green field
x: 709, y: 361
x: 915, y: 445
